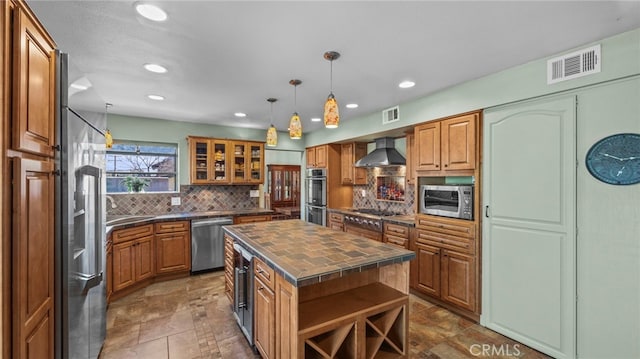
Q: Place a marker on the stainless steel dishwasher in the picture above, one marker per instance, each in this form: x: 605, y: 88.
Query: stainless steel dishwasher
x: 207, y: 243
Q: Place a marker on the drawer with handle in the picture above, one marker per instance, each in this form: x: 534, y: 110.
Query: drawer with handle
x: 127, y: 234
x: 169, y: 227
x: 265, y: 273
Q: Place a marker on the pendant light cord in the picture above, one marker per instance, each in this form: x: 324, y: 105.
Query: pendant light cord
x: 331, y: 77
x: 271, y: 114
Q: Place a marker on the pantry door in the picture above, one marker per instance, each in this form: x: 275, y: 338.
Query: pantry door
x: 529, y: 221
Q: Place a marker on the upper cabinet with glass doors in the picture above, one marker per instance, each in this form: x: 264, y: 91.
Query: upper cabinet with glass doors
x: 218, y: 161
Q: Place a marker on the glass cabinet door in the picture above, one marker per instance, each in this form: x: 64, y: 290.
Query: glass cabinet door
x: 220, y: 167
x: 255, y: 156
x: 200, y: 161
x: 284, y: 185
x: 239, y: 163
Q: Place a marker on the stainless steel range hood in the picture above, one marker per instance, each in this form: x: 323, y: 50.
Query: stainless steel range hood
x: 385, y: 154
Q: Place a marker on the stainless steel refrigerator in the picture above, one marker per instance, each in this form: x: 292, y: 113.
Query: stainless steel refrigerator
x: 80, y: 246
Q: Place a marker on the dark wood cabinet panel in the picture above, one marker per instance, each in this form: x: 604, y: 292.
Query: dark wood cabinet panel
x: 428, y: 269
x: 264, y: 319
x: 173, y: 252
x: 33, y: 86
x: 33, y: 257
x: 458, y: 279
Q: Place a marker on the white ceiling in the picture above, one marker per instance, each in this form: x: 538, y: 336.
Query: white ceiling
x: 229, y: 56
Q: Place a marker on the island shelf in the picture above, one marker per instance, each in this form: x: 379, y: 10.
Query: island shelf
x: 337, y: 295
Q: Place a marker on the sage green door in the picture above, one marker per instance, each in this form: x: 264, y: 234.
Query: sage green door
x: 528, y: 269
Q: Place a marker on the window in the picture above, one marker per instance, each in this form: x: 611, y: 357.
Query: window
x: 155, y: 163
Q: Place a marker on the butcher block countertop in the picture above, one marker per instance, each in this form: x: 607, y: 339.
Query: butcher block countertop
x: 304, y: 253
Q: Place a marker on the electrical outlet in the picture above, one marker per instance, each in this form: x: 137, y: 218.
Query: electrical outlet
x: 175, y: 201
x: 254, y: 193
x: 363, y: 193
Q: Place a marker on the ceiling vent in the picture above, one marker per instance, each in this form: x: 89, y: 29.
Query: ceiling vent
x: 576, y: 64
x: 390, y: 115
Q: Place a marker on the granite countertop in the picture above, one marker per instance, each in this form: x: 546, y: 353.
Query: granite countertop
x: 402, y: 219
x: 124, y: 221
x: 306, y: 253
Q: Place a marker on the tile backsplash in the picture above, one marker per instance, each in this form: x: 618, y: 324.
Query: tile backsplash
x: 193, y: 199
x: 370, y: 201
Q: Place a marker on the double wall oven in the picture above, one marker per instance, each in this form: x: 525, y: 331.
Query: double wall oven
x: 317, y: 196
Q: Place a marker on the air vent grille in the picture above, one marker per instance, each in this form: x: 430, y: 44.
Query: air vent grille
x: 390, y: 115
x: 573, y: 65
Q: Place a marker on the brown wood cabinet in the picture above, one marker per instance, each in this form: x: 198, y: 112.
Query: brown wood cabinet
x: 133, y: 256
x: 317, y: 156
x: 411, y: 156
x: 173, y: 247
x: 264, y: 309
x: 336, y: 221
x: 27, y: 140
x: 446, y: 262
x: 33, y: 258
x: 248, y: 162
x: 219, y: 161
x: 351, y: 152
x: 329, y: 157
x: 397, y: 234
x: 34, y: 85
x: 228, y: 268
x: 447, y: 145
x: 252, y: 219
x: 283, y: 185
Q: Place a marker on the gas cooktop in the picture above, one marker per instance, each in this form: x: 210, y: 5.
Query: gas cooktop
x: 375, y: 212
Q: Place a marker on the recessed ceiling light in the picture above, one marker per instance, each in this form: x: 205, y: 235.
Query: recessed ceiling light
x: 155, y: 68
x: 406, y: 84
x: 352, y: 105
x: 240, y: 114
x: 79, y: 87
x: 156, y: 97
x: 316, y: 119
x: 151, y: 12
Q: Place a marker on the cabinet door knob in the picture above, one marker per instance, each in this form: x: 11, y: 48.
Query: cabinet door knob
x: 446, y: 165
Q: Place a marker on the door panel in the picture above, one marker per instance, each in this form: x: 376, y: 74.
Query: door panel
x: 34, y: 71
x: 529, y: 230
x: 33, y: 255
x: 144, y: 260
x: 428, y: 147
x: 458, y: 279
x: 428, y: 269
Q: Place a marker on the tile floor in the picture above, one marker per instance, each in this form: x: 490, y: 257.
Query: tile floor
x: 192, y: 318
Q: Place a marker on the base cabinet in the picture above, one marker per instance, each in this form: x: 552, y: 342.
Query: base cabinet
x: 133, y: 262
x: 173, y: 247
x: 265, y: 316
x: 428, y: 259
x: 446, y: 266
x: 458, y: 279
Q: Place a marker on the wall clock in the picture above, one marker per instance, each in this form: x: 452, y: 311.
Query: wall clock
x: 615, y: 159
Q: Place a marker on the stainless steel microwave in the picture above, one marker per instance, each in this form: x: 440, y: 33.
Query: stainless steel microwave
x: 455, y: 201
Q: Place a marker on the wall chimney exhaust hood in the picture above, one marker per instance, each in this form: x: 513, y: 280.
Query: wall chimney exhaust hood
x: 384, y: 155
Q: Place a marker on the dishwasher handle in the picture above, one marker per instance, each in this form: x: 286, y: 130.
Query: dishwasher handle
x: 213, y: 221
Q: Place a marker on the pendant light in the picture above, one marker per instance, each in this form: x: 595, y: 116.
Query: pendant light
x: 108, y: 139
x: 295, y: 126
x: 272, y: 134
x: 331, y: 113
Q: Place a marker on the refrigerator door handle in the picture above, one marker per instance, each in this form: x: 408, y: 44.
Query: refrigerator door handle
x: 89, y: 280
x: 93, y: 279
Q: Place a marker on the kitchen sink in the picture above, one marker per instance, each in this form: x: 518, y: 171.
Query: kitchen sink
x: 126, y: 219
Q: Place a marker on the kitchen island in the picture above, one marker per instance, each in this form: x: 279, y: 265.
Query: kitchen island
x: 323, y: 293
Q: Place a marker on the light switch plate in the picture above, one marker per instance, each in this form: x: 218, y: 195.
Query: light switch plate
x: 254, y: 193
x: 175, y: 201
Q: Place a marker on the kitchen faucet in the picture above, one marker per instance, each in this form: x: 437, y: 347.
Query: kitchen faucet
x: 113, y: 203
